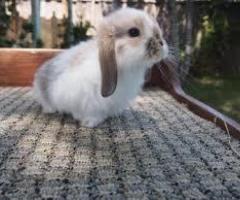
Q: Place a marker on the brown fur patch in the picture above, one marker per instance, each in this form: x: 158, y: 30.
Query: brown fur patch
x: 107, y: 58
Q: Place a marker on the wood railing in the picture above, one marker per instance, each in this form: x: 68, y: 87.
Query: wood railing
x: 167, y: 79
x: 17, y: 66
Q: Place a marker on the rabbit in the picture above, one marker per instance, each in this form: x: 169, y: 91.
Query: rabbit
x: 98, y: 78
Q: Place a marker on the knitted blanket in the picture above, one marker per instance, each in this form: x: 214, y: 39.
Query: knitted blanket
x: 157, y: 149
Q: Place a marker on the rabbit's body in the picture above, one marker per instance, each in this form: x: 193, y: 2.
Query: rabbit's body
x: 76, y: 86
x: 71, y: 82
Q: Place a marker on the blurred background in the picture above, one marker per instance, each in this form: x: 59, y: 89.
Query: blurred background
x: 204, y: 36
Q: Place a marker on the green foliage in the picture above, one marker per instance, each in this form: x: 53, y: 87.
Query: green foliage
x: 25, y: 38
x: 136, y: 3
x: 5, y: 43
x: 28, y: 27
x: 4, y: 23
x: 215, y: 41
x: 79, y: 33
x: 221, y: 93
x: 131, y: 3
x: 39, y: 43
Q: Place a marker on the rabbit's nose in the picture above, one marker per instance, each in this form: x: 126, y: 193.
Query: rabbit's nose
x: 153, y: 43
x: 153, y: 47
x: 161, y: 42
x: 158, y: 38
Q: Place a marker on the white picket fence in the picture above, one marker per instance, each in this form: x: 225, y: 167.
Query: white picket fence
x: 53, y: 12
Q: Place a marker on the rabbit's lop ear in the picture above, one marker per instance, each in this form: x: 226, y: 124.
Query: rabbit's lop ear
x: 107, y: 60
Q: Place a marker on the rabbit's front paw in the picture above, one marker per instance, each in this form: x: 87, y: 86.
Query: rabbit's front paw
x: 91, y: 122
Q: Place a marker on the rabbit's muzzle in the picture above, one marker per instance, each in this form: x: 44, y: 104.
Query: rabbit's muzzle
x: 153, y: 47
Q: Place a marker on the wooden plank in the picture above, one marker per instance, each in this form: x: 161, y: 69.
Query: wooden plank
x: 169, y: 82
x: 17, y: 66
x: 208, y: 113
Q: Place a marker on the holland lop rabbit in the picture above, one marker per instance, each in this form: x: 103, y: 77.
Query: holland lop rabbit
x: 98, y: 78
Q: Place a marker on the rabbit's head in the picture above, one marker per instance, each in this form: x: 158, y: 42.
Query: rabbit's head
x: 128, y: 38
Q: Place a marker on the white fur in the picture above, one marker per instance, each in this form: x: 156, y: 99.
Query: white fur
x: 76, y: 83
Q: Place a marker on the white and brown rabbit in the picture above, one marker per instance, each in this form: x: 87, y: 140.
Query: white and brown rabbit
x: 98, y: 78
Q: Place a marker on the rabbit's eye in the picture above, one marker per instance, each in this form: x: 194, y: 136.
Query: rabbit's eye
x: 134, y: 32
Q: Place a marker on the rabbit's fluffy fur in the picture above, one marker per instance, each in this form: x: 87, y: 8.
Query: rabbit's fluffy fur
x: 71, y: 82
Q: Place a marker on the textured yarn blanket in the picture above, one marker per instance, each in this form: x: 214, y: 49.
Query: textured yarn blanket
x: 157, y: 149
